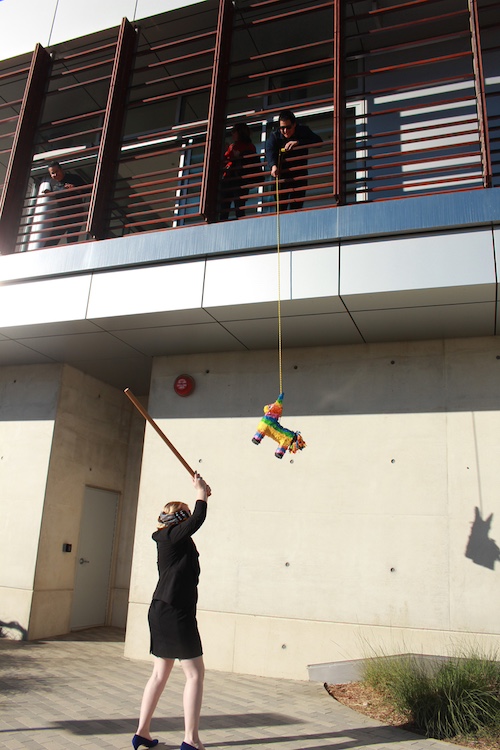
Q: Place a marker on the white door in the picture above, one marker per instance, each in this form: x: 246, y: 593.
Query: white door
x: 93, y: 563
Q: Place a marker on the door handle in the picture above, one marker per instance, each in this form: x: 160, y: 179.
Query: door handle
x: 82, y: 561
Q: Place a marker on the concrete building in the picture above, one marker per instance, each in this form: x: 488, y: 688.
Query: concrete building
x: 374, y: 304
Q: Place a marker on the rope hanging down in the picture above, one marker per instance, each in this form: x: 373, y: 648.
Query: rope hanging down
x: 270, y: 423
x: 278, y: 244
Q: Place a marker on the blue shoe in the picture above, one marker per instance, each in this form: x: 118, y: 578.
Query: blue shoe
x: 185, y: 746
x: 137, y: 741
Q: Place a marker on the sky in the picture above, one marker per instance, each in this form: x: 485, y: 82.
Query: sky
x: 24, y: 23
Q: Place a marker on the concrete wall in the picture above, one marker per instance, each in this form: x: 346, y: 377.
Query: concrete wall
x: 359, y: 542
x: 125, y: 532
x: 28, y: 405
x: 60, y: 430
x: 90, y: 447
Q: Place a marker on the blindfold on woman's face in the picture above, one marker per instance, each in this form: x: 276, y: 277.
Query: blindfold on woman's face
x: 172, y: 519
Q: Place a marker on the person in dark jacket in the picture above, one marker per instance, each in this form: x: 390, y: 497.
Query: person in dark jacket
x: 65, y: 202
x: 286, y: 154
x: 172, y: 617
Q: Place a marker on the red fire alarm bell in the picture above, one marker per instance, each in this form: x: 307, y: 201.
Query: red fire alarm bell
x: 184, y: 385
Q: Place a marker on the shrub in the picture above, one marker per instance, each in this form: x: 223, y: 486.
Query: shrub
x: 459, y: 696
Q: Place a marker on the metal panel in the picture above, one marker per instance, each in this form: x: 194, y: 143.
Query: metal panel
x: 162, y: 159
x: 457, y: 267
x: 417, y: 131
x: 247, y: 279
x: 420, y: 323
x: 109, y: 148
x: 338, y: 102
x: 46, y: 301
x: 310, y: 330
x: 396, y: 90
x: 218, y: 93
x: 300, y: 230
x: 70, y: 131
x: 181, y: 339
x: 144, y: 321
x: 477, y: 61
x: 146, y: 290
x: 82, y: 346
x: 315, y: 273
x: 16, y: 180
x: 14, y: 353
x: 50, y: 328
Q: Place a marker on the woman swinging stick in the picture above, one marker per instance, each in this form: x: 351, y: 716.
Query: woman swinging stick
x: 172, y: 613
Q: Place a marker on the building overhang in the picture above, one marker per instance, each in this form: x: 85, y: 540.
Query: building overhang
x: 418, y: 268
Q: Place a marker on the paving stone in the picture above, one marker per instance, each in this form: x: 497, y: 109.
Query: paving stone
x: 79, y: 691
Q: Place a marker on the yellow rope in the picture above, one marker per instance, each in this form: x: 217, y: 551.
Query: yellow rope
x: 280, y: 344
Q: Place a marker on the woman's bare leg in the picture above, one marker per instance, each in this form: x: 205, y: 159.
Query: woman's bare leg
x: 194, y: 671
x: 154, y: 688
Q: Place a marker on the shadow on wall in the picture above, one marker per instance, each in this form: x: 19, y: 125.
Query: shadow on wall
x: 429, y: 377
x: 13, y: 630
x: 480, y: 548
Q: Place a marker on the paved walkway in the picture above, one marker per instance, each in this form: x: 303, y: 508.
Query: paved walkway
x: 80, y: 692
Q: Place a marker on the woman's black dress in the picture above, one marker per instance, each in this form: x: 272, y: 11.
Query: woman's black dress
x: 172, y: 614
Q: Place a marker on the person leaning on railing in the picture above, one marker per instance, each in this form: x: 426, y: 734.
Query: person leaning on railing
x: 290, y: 140
x: 60, y: 181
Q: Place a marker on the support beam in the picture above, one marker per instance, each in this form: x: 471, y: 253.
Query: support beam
x: 339, y: 113
x: 19, y: 166
x: 482, y: 113
x: 216, y: 112
x: 109, y: 148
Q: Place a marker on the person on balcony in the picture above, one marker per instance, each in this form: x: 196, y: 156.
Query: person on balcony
x: 286, y: 154
x: 237, y: 167
x: 56, y: 221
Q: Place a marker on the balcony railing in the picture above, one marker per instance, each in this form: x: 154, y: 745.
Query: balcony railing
x: 405, y: 95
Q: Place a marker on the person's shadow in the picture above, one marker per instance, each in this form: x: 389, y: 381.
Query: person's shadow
x: 480, y: 548
x: 8, y: 628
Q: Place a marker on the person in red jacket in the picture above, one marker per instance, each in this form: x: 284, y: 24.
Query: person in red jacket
x: 237, y: 167
x: 172, y: 617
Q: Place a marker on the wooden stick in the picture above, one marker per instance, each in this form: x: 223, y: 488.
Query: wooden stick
x: 153, y: 424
